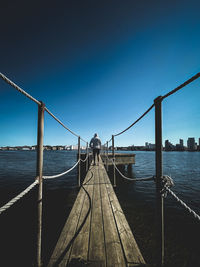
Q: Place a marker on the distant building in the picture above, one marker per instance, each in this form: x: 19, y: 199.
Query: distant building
x: 181, y: 143
x: 168, y: 146
x: 191, y: 144
x: 180, y: 146
x: 149, y: 146
x: 26, y: 148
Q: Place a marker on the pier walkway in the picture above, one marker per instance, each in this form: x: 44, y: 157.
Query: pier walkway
x: 96, y: 232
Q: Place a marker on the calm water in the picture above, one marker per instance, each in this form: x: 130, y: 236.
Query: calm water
x: 18, y: 225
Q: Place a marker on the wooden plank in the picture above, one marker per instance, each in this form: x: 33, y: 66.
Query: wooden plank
x: 131, y: 250
x: 105, y: 238
x: 69, y: 230
x: 81, y: 243
x: 114, y: 252
x: 97, y: 245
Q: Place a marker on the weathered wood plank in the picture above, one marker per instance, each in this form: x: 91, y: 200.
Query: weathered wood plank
x: 131, y: 250
x: 62, y: 251
x: 97, y: 244
x: 120, y: 158
x: 104, y: 237
x: 114, y: 252
x: 81, y: 243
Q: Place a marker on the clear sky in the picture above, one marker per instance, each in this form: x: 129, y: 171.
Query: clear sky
x: 98, y: 65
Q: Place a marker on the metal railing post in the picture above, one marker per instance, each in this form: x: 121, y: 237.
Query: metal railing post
x: 107, y: 157
x: 40, y: 134
x: 113, y: 154
x: 159, y: 174
x: 86, y: 164
x: 79, y: 164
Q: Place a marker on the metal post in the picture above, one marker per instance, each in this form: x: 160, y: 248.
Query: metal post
x: 107, y: 158
x: 113, y: 154
x: 40, y: 134
x: 86, y: 164
x: 79, y: 165
x: 159, y: 173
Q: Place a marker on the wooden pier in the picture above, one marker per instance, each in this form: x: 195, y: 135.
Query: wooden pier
x: 96, y: 232
x: 120, y: 158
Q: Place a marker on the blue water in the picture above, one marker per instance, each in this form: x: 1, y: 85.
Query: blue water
x: 183, y: 167
x: 17, y: 171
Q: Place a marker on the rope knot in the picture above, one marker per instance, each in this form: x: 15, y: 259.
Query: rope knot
x: 167, y: 182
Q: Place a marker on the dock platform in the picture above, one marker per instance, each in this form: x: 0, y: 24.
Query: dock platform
x: 96, y: 232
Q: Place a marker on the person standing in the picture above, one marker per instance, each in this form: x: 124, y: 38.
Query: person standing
x: 95, y: 144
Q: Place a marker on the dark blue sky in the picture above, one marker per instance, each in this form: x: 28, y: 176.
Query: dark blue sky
x: 98, y: 65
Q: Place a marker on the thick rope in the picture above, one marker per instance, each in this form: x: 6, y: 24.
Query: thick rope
x: 182, y: 85
x: 51, y: 114
x: 19, y: 89
x: 183, y: 204
x: 83, y: 160
x: 36, y: 101
x: 63, y: 173
x: 15, y: 199
x: 110, y: 140
x: 136, y: 120
x: 152, y: 178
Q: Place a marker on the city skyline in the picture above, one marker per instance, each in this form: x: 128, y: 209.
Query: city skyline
x: 191, y: 145
x: 98, y: 67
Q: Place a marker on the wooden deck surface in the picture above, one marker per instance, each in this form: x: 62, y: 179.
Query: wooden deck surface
x: 96, y: 232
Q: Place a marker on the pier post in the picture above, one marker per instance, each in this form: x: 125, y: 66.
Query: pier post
x: 40, y: 134
x: 159, y: 174
x: 113, y: 154
x: 86, y: 164
x: 107, y: 156
x: 79, y: 164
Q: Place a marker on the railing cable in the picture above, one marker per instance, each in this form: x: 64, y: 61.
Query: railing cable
x: 152, y: 178
x: 182, y: 85
x: 83, y: 160
x: 167, y: 183
x: 51, y: 114
x: 183, y: 204
x: 135, y: 121
x: 63, y: 173
x: 19, y: 89
x: 15, y: 199
x: 36, y: 101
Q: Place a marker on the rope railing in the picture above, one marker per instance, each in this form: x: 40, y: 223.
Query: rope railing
x: 83, y: 160
x: 53, y: 116
x: 19, y: 89
x: 7, y: 80
x: 183, y: 204
x: 18, y: 197
x: 163, y: 97
x: 39, y: 170
x: 152, y: 178
x: 182, y: 85
x: 162, y: 188
x: 159, y: 168
x: 147, y: 111
x: 63, y: 173
x: 167, y: 183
